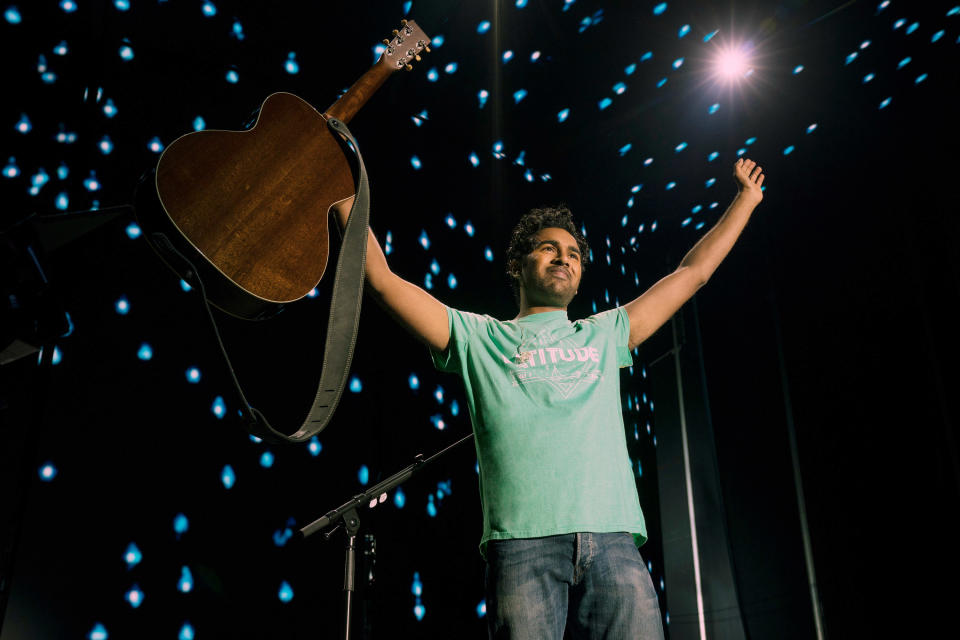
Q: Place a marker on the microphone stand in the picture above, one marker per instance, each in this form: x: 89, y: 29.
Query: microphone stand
x: 346, y: 516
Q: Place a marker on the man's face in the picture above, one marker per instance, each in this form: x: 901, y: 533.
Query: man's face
x: 550, y: 273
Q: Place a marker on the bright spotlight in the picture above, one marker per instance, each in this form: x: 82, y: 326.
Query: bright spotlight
x: 733, y: 63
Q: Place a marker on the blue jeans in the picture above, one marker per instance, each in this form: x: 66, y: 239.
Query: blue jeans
x: 596, y: 583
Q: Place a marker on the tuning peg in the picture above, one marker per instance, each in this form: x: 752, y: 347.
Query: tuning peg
x: 417, y: 58
x: 386, y: 42
x: 426, y: 48
x: 408, y: 66
x: 395, y: 32
x: 403, y: 23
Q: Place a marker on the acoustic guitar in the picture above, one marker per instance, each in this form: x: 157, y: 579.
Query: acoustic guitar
x: 250, y: 209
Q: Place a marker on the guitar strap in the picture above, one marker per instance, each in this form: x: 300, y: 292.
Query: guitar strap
x: 342, y: 323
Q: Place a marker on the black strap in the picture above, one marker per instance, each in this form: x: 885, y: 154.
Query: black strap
x: 341, y: 325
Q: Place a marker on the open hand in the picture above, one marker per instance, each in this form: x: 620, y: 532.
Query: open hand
x: 749, y: 178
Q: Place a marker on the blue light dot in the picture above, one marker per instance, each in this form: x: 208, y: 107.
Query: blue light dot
x: 619, y: 88
x: 145, y: 352
x: 904, y: 62
x: 797, y: 69
x: 714, y: 107
x: 624, y: 149
x: 468, y: 227
x: 867, y: 78
x: 709, y: 183
x: 474, y: 159
x: 680, y: 147
x: 659, y: 9
x: 454, y: 408
x: 363, y: 475
x: 180, y: 524
x: 684, y: 30
x: 507, y: 56
x: 291, y: 66
x: 437, y: 41
x: 750, y: 141
x: 413, y: 381
x: 228, y: 477
x: 185, y: 584
x: 483, y: 27
x: 534, y: 56
x: 920, y: 78
x: 11, y: 170
x: 134, y: 596
x: 850, y: 58
x: 23, y: 124
x: 68, y: 6
x: 433, y: 75
x: 451, y: 67
x: 219, y: 408
x: 437, y: 421
x: 671, y: 185
x: 62, y: 201
x: 630, y: 68
x: 885, y: 102
x: 155, y: 145
x: 237, y: 30
x: 603, y: 104
x: 415, y: 162
x: 232, y: 76
x: 122, y: 5
x: 788, y: 150
x: 419, y: 611
x: 184, y: 286
x: 62, y: 171
x: 186, y: 632
x: 133, y: 230
x: 482, y: 609
x: 399, y: 498
x: 126, y: 52
x: 912, y: 27
x: 741, y: 151
x: 424, y: 239
x: 937, y: 36
x: 488, y: 254
x: 662, y: 82
x: 314, y: 446
x: 47, y: 471
x: 286, y: 592
x: 266, y: 459
x: 355, y: 385
x: 98, y: 632
x: 193, y: 375
x: 209, y: 9
x: 106, y: 145
x: 812, y: 128
x: 519, y: 95
x: 12, y: 15
x: 431, y: 507
x: 678, y: 63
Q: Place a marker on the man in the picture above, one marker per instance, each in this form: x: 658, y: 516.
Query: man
x: 561, y: 516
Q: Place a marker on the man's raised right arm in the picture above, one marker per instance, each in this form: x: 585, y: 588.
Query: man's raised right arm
x: 416, y: 310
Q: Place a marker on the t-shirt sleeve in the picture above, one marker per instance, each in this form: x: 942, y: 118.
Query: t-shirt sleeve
x: 462, y: 325
x: 617, y: 323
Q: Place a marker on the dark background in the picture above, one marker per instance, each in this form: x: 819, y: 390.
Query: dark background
x: 849, y: 268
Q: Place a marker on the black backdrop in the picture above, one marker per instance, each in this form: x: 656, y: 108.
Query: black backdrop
x: 851, y: 257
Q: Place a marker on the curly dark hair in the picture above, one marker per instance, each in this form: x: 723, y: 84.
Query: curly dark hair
x: 523, y: 237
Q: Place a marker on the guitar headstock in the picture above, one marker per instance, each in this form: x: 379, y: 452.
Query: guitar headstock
x: 407, y: 43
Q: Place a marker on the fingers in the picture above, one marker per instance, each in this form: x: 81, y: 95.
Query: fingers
x: 749, y: 169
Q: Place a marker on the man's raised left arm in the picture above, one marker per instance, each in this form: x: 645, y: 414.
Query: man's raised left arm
x: 651, y: 310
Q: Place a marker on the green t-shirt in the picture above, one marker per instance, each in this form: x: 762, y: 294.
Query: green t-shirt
x: 544, y: 400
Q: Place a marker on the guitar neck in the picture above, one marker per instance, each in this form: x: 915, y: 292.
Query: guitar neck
x: 408, y: 41
x: 349, y: 103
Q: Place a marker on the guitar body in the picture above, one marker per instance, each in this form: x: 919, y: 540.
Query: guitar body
x: 250, y: 209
